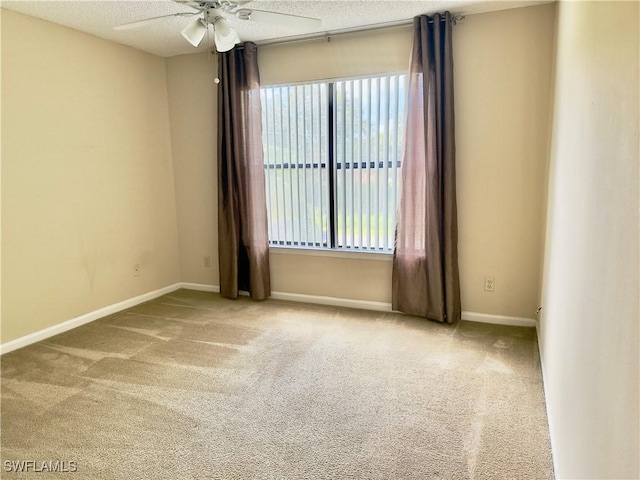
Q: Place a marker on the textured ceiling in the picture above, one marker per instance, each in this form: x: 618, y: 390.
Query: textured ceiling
x: 163, y: 38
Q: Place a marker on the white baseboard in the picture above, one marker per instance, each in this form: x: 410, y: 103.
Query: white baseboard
x: 293, y: 297
x: 302, y: 298
x: 82, y: 319
x: 371, y: 305
x: 333, y: 301
x: 554, y: 457
x: 499, y: 319
x: 201, y: 287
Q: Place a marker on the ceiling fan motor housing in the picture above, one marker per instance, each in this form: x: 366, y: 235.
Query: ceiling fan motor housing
x: 212, y: 14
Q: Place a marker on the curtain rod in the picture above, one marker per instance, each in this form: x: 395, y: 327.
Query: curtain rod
x: 348, y: 31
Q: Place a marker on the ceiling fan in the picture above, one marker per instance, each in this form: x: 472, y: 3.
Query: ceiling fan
x: 217, y: 14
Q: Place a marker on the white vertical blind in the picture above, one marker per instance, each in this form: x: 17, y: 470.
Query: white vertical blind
x: 367, y: 130
x: 294, y: 138
x: 370, y: 115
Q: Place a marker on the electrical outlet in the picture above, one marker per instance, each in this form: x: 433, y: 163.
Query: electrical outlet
x: 489, y: 284
x: 207, y: 262
x: 136, y: 270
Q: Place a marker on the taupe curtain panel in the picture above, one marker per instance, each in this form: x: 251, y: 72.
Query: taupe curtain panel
x: 425, y: 263
x: 243, y: 244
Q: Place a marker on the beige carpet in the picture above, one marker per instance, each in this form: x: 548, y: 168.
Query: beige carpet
x: 194, y: 386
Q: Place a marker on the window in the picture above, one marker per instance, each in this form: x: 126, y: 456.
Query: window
x: 332, y: 153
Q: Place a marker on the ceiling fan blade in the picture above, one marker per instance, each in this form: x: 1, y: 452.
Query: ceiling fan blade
x: 278, y: 18
x: 140, y: 23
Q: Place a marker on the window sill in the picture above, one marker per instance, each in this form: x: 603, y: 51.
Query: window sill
x: 335, y: 253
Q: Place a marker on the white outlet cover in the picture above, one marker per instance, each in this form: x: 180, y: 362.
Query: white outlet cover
x: 489, y: 284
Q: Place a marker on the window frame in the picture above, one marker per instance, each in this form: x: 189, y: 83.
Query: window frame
x: 332, y: 249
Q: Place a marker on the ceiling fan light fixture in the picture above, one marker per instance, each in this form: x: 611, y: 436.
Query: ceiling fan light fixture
x: 222, y: 26
x: 225, y: 36
x: 195, y: 32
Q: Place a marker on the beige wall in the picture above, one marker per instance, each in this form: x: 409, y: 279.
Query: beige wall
x: 91, y: 155
x: 348, y: 276
x: 502, y: 74
x: 503, y: 81
x: 87, y: 176
x: 193, y: 107
x: 503, y: 69
x: 192, y: 101
x: 386, y: 51
x: 589, y: 327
